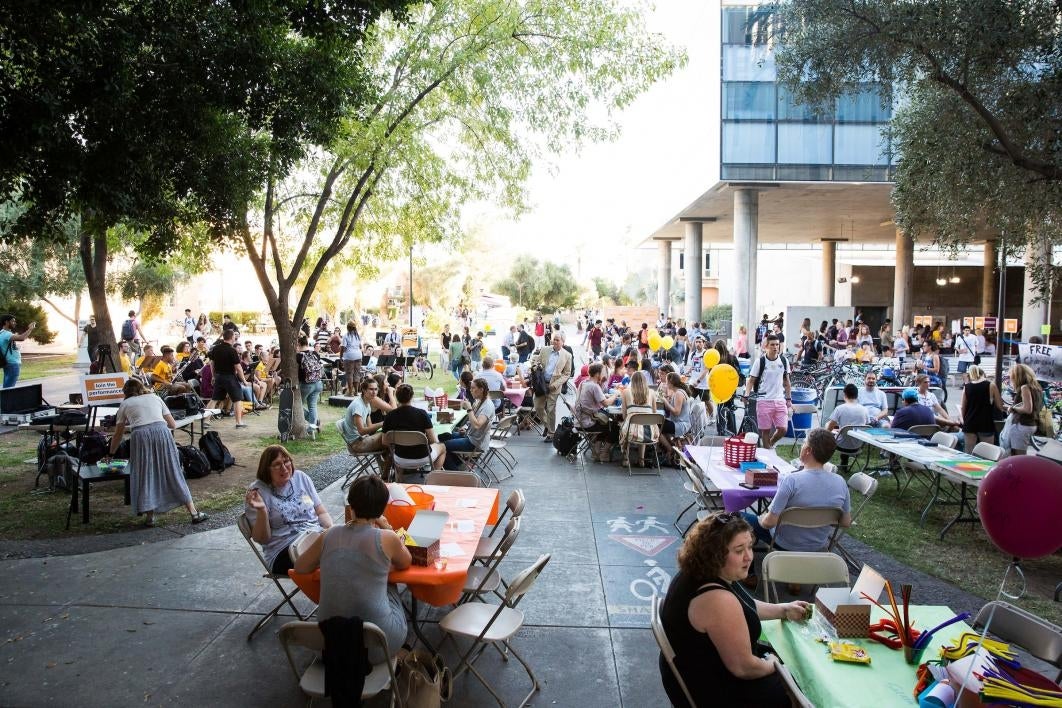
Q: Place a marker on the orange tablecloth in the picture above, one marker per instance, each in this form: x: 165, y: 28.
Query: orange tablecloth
x: 427, y: 584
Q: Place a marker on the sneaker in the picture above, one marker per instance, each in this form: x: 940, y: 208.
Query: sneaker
x: 241, y: 425
x: 199, y: 518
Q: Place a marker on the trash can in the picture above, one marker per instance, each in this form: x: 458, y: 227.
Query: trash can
x: 801, y: 421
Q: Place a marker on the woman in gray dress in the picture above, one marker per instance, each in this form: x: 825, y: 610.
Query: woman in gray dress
x: 156, y: 480
x: 355, y: 559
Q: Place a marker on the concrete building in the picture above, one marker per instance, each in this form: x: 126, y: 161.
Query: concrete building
x: 810, y: 191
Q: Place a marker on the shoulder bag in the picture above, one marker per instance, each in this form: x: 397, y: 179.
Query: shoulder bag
x: 977, y: 357
x: 422, y: 679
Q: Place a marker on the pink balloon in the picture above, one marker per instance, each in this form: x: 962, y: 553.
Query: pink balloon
x: 1019, y: 502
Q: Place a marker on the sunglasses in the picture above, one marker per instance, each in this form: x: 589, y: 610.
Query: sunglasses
x: 721, y: 520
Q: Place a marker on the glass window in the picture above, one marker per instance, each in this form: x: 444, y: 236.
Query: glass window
x: 805, y: 144
x: 860, y: 144
x: 804, y: 173
x: 789, y: 109
x: 748, y: 142
x: 735, y: 25
x: 863, y: 106
x: 861, y: 174
x: 742, y: 63
x: 748, y: 100
x: 746, y: 172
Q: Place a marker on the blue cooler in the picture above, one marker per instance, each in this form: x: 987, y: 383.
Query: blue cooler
x: 801, y: 420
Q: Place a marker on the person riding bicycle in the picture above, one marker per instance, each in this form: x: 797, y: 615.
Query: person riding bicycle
x: 769, y: 380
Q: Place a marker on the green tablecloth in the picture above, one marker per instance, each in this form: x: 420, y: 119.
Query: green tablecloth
x: 440, y: 428
x: 887, y: 681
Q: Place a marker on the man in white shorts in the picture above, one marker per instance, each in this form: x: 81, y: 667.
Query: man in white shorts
x: 769, y: 379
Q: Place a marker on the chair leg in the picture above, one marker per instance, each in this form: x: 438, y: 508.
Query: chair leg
x: 681, y: 514
x: 276, y: 610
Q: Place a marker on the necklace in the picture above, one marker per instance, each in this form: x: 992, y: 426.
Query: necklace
x: 283, y: 497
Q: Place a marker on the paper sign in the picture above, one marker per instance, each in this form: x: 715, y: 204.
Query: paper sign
x: 979, y: 322
x: 451, y: 550
x: 1045, y: 330
x: 466, y: 503
x: 1044, y: 359
x: 409, y: 338
x: 103, y: 389
x: 968, y: 322
x: 466, y: 526
x: 991, y: 323
x: 1010, y: 326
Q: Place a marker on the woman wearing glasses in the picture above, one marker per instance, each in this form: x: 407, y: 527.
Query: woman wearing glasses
x: 713, y: 623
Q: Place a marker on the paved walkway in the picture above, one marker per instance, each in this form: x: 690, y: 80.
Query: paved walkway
x: 166, y: 622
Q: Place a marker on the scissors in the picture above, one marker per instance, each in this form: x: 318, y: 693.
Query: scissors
x: 887, y: 633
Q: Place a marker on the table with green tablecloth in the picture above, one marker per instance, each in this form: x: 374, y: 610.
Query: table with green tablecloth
x: 887, y: 681
x: 440, y: 428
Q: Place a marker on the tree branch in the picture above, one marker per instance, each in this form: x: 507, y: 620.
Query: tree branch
x: 59, y: 312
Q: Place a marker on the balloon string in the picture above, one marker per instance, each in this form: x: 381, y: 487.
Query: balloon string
x: 1015, y: 565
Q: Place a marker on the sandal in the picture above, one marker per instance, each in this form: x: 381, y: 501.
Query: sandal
x: 199, y: 518
x: 150, y: 523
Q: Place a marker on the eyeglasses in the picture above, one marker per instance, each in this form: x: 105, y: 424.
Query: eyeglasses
x: 721, y: 520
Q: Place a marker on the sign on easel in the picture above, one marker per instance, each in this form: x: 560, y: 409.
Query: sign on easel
x: 103, y: 389
x: 409, y: 338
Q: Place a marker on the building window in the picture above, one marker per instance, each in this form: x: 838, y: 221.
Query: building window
x: 860, y: 145
x: 748, y: 100
x: 804, y: 144
x: 863, y: 106
x: 803, y: 173
x: 741, y: 63
x: 748, y: 142
x: 790, y: 109
x: 746, y: 172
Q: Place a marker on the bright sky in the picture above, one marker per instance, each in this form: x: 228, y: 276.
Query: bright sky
x: 589, y: 208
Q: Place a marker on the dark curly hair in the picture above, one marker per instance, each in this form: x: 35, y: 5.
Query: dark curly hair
x: 704, y: 551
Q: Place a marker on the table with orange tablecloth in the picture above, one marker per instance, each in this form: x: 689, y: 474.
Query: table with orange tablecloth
x: 428, y: 584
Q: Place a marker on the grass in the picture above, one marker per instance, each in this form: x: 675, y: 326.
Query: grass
x: 44, y: 365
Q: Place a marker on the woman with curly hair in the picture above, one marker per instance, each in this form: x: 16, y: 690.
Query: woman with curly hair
x: 713, y: 623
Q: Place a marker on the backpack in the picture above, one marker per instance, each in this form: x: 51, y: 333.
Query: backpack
x: 311, y: 369
x: 127, y: 331
x: 92, y: 447
x: 60, y: 471
x: 565, y: 439
x: 761, y: 332
x: 761, y: 363
x: 217, y: 455
x: 193, y: 462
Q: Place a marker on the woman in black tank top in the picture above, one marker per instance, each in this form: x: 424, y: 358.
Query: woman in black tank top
x: 713, y: 623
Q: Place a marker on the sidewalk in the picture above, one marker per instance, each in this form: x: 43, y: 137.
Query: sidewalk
x: 165, y: 623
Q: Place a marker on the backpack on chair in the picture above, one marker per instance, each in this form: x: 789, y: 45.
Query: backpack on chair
x: 217, y: 455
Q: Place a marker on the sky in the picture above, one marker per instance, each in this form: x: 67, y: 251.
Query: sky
x: 589, y: 208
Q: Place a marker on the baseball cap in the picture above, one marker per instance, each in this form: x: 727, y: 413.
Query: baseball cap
x: 910, y: 394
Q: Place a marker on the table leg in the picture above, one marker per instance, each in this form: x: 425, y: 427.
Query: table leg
x: 73, y: 502
x: 932, y: 500
x: 964, y: 506
x: 85, y: 501
x: 416, y: 625
x: 128, y: 499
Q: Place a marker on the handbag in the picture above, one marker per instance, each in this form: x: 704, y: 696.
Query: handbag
x: 421, y: 679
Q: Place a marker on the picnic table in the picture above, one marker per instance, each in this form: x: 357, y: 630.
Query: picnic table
x: 728, y: 480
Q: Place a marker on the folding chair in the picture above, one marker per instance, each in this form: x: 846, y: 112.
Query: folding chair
x: 987, y: 451
x: 917, y: 470
x: 707, y: 501
x: 866, y: 486
x: 410, y: 438
x: 665, y: 646
x: 514, y: 506
x: 526, y: 416
x: 453, y: 479
x: 924, y: 431
x: 312, y: 679
x: 795, y: 694
x: 641, y: 419
x: 587, y: 440
x: 244, y: 524
x: 499, y: 438
x: 364, y: 462
x: 803, y: 409
x: 848, y: 453
x: 473, y: 463
x: 801, y: 568
x: 488, y: 625
x: 810, y: 517
x: 1039, y: 637
x: 482, y: 579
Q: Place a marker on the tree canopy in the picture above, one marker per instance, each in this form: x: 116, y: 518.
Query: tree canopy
x: 978, y: 84
x: 540, y: 286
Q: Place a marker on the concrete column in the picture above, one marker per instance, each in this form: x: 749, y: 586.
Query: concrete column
x: 988, y: 279
x: 1033, y: 315
x: 694, y: 250
x: 663, y: 277
x: 746, y: 243
x: 903, y: 282
x: 829, y: 272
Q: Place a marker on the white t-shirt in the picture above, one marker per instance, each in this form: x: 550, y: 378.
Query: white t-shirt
x: 965, y: 347
x: 142, y: 410
x: 357, y: 407
x: 769, y: 382
x: 849, y: 414
x: 873, y: 400
x: 189, y: 326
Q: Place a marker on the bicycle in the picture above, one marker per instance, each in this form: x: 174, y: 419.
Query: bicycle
x: 726, y: 416
x: 422, y: 367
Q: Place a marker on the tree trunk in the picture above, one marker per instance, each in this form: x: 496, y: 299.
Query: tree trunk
x: 287, y: 339
x: 93, y: 250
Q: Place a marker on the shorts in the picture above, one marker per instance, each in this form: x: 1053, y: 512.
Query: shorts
x: 771, y: 414
x: 367, y: 443
x: 352, y: 368
x: 227, y: 384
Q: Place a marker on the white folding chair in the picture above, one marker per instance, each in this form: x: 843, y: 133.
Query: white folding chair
x: 864, y: 485
x: 801, y: 568
x: 482, y: 579
x: 708, y: 501
x: 244, y: 525
x: 810, y: 517
x: 453, y: 479
x: 499, y: 438
x: 312, y: 679
x: 987, y: 451
x: 514, y: 506
x: 489, y: 625
x: 803, y: 409
x: 665, y: 646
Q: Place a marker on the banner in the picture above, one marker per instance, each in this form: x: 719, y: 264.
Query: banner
x: 103, y: 389
x: 409, y: 338
x: 1044, y: 359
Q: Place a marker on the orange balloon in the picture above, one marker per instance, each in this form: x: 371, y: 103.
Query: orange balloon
x: 499, y: 366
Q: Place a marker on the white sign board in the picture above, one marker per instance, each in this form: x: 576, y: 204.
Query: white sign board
x: 1044, y: 359
x: 103, y: 389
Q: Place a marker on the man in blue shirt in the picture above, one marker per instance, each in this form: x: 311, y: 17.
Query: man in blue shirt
x: 913, y: 412
x: 10, y: 356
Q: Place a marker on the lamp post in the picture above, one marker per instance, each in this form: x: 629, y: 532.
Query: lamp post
x: 410, y: 283
x: 999, y: 310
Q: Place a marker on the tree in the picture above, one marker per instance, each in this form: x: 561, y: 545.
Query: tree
x: 978, y: 128
x: 466, y: 95
x: 153, y: 114
x: 607, y: 290
x: 540, y: 286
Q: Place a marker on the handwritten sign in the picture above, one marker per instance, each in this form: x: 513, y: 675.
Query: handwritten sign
x: 409, y: 338
x: 1044, y: 359
x: 103, y: 389
x: 1010, y: 326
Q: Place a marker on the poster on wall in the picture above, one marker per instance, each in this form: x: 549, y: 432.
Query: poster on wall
x: 1044, y: 359
x: 979, y: 322
x: 968, y: 322
x: 1010, y: 326
x: 991, y: 323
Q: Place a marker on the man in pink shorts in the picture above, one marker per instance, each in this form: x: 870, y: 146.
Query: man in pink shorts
x: 769, y: 380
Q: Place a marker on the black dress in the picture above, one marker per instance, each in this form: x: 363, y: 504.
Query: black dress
x: 698, y: 661
x: 977, y: 409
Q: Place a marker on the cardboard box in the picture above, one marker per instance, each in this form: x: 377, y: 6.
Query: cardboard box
x: 757, y: 474
x: 846, y: 609
x: 444, y: 416
x: 426, y: 531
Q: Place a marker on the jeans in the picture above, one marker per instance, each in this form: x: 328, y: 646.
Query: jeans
x: 11, y: 372
x: 455, y: 367
x: 456, y: 444
x: 758, y: 531
x: 311, y: 392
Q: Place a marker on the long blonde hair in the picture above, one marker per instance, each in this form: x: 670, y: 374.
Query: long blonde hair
x: 1022, y: 375
x: 639, y: 390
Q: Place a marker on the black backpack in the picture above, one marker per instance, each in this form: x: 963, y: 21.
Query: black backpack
x: 565, y: 439
x: 761, y: 364
x: 193, y: 462
x: 92, y: 447
x: 217, y: 455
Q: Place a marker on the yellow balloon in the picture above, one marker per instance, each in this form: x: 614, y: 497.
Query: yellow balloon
x: 715, y: 400
x: 723, y: 381
x: 667, y: 342
x: 654, y: 340
x: 711, y: 358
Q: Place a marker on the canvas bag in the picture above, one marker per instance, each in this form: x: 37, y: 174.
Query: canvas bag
x: 422, y: 679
